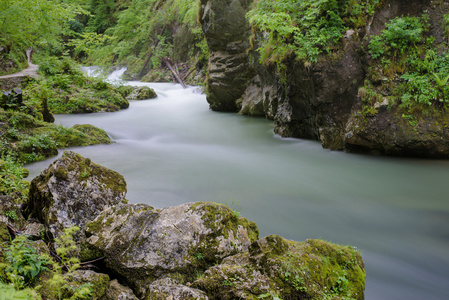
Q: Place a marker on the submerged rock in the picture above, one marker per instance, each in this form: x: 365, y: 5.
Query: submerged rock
x: 143, y: 244
x: 274, y: 266
x: 72, y: 191
x: 142, y: 93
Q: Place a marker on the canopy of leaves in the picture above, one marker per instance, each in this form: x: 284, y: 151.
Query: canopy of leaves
x: 137, y: 27
x: 38, y: 23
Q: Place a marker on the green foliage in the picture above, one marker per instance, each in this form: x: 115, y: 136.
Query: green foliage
x: 295, y: 280
x: 67, y: 251
x: 398, y: 35
x: 38, y: 24
x: 269, y: 296
x: 8, y: 292
x: 445, y: 25
x: 11, y: 179
x: 11, y: 214
x: 131, y: 32
x: 414, y: 73
x: 23, y: 263
x: 306, y: 28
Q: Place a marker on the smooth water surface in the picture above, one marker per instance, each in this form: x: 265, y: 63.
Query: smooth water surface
x: 173, y: 150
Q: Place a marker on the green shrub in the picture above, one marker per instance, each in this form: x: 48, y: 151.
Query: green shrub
x: 397, y: 36
x: 11, y: 177
x: 305, y: 28
x: 23, y: 263
x: 8, y: 292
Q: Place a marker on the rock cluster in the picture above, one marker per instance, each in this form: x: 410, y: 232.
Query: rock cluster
x: 201, y: 250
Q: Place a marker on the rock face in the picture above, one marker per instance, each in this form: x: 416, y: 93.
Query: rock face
x: 144, y: 244
x: 315, y: 100
x: 227, y: 34
x: 72, y: 191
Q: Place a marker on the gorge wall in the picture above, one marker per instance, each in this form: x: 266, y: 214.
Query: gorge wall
x: 319, y: 101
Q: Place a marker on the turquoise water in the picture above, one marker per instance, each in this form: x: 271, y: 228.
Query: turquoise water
x: 173, y: 150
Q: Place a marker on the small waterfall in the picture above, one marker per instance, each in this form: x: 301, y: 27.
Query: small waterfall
x: 92, y: 71
x: 114, y: 77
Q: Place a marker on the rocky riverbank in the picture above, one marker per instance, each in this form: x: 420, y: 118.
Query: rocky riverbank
x: 327, y: 99
x: 200, y: 250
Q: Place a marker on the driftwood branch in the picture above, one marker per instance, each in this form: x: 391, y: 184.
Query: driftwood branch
x: 175, y: 73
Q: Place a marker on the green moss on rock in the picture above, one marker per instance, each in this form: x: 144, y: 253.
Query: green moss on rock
x: 313, y: 269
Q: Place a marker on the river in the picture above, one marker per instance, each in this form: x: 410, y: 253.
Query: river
x: 174, y: 150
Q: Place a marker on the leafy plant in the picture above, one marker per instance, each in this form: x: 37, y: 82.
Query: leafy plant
x: 295, y: 280
x: 270, y: 295
x: 11, y: 214
x: 398, y: 35
x: 11, y: 178
x: 66, y: 251
x: 23, y: 263
x: 199, y: 256
x: 305, y: 29
x: 8, y: 292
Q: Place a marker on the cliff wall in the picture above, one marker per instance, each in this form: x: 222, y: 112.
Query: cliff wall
x: 322, y: 100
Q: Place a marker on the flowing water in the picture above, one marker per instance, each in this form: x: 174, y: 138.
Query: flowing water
x: 173, y: 150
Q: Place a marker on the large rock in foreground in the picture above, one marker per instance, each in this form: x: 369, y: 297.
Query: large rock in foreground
x: 274, y: 266
x: 72, y: 191
x: 143, y: 244
x: 200, y: 250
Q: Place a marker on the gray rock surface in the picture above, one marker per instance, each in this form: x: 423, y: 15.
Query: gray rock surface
x: 144, y: 244
x: 169, y: 289
x: 116, y: 291
x: 142, y: 93
x: 72, y: 191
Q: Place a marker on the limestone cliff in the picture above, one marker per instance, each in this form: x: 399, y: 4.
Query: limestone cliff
x: 322, y: 100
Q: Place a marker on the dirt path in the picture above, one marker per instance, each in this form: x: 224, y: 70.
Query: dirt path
x: 30, y: 71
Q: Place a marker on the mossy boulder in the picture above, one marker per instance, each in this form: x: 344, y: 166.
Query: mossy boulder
x: 10, y: 213
x: 274, y: 266
x: 72, y: 191
x: 143, y: 244
x: 117, y: 291
x: 393, y: 132
x: 142, y: 93
x: 168, y: 288
x: 32, y: 139
x: 98, y: 283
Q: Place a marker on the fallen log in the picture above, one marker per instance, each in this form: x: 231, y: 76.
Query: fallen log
x: 175, y: 74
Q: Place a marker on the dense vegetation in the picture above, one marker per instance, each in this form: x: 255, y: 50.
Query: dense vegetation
x: 409, y: 69
x: 306, y: 29
x: 407, y: 66
x: 142, y: 34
